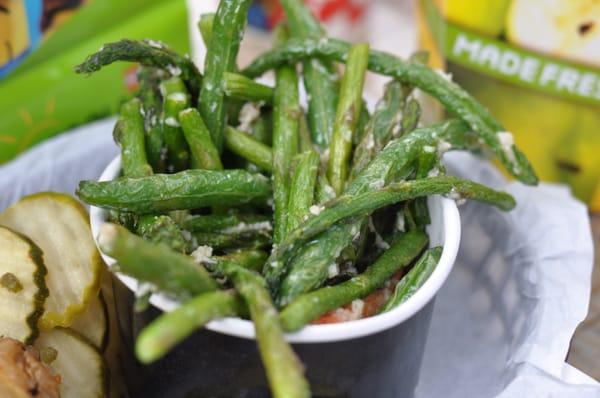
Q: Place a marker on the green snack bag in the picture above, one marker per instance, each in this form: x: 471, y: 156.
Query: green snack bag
x: 44, y: 96
x: 536, y: 65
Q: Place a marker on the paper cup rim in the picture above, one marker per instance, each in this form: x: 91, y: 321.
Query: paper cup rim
x: 322, y: 333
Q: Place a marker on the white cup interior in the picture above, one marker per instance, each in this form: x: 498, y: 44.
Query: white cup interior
x: 443, y: 231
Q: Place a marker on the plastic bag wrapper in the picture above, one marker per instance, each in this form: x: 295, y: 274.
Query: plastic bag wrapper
x: 503, y: 321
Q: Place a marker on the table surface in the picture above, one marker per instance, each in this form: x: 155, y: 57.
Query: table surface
x: 585, y: 346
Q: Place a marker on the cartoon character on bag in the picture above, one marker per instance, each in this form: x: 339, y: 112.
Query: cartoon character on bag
x: 25, y: 24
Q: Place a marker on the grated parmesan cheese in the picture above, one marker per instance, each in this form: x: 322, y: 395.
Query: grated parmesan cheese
x: 444, y: 75
x: 202, y: 254
x: 316, y: 209
x: 443, y: 147
x: 177, y: 96
x: 248, y: 114
x: 245, y: 227
x: 333, y: 270
x: 400, y: 227
x: 171, y: 121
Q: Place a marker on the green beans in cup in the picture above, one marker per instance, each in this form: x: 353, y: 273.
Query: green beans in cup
x: 237, y: 202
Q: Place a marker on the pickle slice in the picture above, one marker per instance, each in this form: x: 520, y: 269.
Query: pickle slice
x: 91, y: 323
x: 59, y: 225
x: 81, y: 367
x: 22, y: 287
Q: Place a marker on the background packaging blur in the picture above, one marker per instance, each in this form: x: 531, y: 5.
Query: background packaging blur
x: 536, y: 65
x: 40, y: 43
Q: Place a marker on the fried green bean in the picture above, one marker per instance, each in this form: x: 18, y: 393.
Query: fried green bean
x: 205, y: 25
x: 223, y: 222
x: 414, y: 279
x: 149, y: 79
x: 379, y: 129
x: 412, y: 114
x: 320, y: 77
x: 156, y: 150
x: 453, y: 97
x: 149, y: 93
x: 428, y: 165
x: 240, y: 87
x: 285, y: 372
x: 346, y: 117
x: 171, y: 328
x: 204, y: 153
x: 251, y: 239
x: 310, y: 306
x: 364, y: 204
x: 147, y: 53
x: 249, y: 148
x: 302, y: 188
x: 162, y: 229
x: 175, y: 100
x: 286, y: 114
x: 173, y: 273
x: 227, y: 31
x: 248, y: 258
x: 304, y: 139
x: 129, y: 134
x: 361, y: 124
x: 308, y: 264
x: 185, y: 190
x: 261, y: 129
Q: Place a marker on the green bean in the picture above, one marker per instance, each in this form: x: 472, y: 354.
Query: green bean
x: 454, y: 98
x: 149, y: 93
x: 414, y: 279
x: 379, y: 129
x: 175, y: 99
x: 310, y: 306
x: 129, y: 133
x: 147, y: 53
x: 308, y: 264
x: 286, y: 114
x: 227, y: 31
x: 174, y: 273
x: 204, y: 153
x: 323, y: 190
x: 419, y: 57
x: 149, y: 79
x: 185, y: 190
x: 428, y: 164
x: 224, y: 241
x: 285, y: 372
x: 155, y: 149
x: 304, y: 138
x: 361, y: 124
x: 240, y: 87
x: 301, y: 22
x: 320, y: 78
x: 173, y: 85
x: 412, y: 115
x: 249, y: 148
x: 205, y: 25
x: 346, y: 117
x: 221, y: 222
x: 248, y: 258
x: 302, y: 188
x: 364, y: 204
x: 261, y: 128
x: 171, y: 328
x: 162, y: 229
